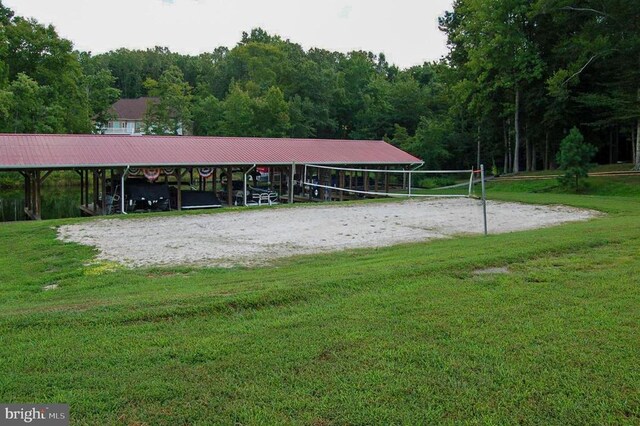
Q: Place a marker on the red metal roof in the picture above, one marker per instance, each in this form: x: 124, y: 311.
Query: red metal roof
x: 24, y: 151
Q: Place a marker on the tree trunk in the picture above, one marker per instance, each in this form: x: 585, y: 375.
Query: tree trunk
x: 516, y: 149
x: 616, y: 144
x: 527, y: 148
x: 637, y: 159
x: 505, y: 167
x: 633, y: 144
x: 546, y: 151
x: 611, y: 147
x: 533, y: 156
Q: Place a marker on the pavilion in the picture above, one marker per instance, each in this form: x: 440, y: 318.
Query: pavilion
x: 99, y: 159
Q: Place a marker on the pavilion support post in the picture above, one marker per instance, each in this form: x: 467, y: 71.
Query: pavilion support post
x: 365, y: 177
x: 292, y: 182
x: 104, y: 191
x: 86, y: 188
x: 341, y: 184
x: 214, y: 180
x: 81, y: 187
x: 321, y: 190
x: 33, y: 195
x: 27, y: 192
x: 271, y: 177
x: 375, y: 182
x: 386, y: 179
x: 38, y: 197
x: 280, y: 181
x: 96, y: 180
x: 179, y: 185
x: 350, y: 181
x: 123, y: 177
x: 229, y: 186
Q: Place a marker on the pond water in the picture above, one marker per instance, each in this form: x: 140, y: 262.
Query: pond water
x: 57, y: 202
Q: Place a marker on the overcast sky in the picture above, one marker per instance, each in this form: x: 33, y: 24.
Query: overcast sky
x: 405, y: 30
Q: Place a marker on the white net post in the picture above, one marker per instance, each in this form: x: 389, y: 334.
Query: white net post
x: 484, y: 199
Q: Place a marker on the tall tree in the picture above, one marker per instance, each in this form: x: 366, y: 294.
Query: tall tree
x: 172, y: 114
x: 238, y: 113
x: 496, y: 50
x: 102, y: 95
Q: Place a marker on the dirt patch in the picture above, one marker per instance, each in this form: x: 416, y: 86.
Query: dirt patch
x: 256, y: 237
x: 494, y: 270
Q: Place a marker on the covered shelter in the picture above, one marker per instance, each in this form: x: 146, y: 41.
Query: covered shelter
x: 102, y: 160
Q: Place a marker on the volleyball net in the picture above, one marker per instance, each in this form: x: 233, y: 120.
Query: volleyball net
x: 326, y: 183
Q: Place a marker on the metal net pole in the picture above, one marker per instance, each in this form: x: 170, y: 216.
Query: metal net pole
x: 484, y: 199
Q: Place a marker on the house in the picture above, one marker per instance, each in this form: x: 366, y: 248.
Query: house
x: 128, y: 116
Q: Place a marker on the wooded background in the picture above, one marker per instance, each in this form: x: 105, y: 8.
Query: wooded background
x: 519, y: 75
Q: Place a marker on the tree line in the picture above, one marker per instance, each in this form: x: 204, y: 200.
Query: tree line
x: 519, y: 75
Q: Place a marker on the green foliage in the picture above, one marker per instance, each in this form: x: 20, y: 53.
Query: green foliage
x: 271, y: 114
x: 238, y: 113
x: 574, y: 158
x: 207, y: 116
x: 564, y: 63
x: 41, y: 81
x: 28, y: 112
x: 102, y: 96
x: 427, y: 143
x: 172, y: 114
x: 436, y: 182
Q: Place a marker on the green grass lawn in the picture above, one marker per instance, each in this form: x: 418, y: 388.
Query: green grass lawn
x: 400, y: 335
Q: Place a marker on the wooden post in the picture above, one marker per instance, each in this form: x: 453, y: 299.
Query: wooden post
x: 271, y: 177
x: 365, y: 177
x: 104, y: 191
x: 280, y: 182
x: 32, y: 192
x: 350, y: 181
x: 386, y: 179
x: 86, y: 188
x: 320, y: 182
x: 38, y: 199
x: 27, y: 191
x: 230, y: 186
x: 95, y: 191
x: 214, y: 179
x: 179, y: 184
x: 341, y: 184
x: 375, y: 182
x: 81, y: 187
x: 292, y: 182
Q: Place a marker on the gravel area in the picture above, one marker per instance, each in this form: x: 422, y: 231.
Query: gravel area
x: 255, y: 237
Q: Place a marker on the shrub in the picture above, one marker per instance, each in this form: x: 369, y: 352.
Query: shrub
x: 574, y: 159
